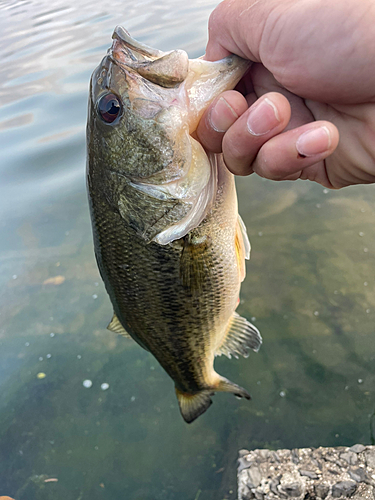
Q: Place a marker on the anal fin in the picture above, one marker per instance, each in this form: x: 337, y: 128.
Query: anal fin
x: 193, y: 405
x: 226, y: 385
x: 116, y: 327
x: 241, y: 336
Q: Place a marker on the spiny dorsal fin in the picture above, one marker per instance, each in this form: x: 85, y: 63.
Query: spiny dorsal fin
x: 193, y: 405
x: 116, y: 327
x: 240, y: 337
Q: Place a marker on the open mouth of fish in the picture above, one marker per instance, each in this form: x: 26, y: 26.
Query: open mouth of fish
x: 183, y: 88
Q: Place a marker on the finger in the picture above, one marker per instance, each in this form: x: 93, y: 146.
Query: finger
x: 292, y: 154
x: 263, y: 82
x: 267, y: 117
x: 221, y: 114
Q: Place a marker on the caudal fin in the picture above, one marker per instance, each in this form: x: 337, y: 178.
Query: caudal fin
x: 193, y: 405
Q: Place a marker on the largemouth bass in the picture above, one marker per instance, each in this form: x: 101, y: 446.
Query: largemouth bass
x: 169, y: 243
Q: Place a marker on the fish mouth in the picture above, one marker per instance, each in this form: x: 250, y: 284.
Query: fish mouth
x: 167, y: 69
x: 202, y: 80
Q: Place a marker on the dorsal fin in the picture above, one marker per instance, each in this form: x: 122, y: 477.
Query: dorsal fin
x: 241, y: 336
x: 116, y: 327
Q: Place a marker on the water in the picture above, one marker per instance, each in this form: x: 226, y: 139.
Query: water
x: 88, y: 415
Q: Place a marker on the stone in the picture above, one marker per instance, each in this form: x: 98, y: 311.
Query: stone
x: 364, y: 492
x: 254, y: 476
x: 343, y: 489
x: 349, y: 457
x: 243, y: 464
x: 291, y: 484
x: 358, y: 474
x: 321, y: 490
x: 357, y: 448
x: 259, y: 495
x: 246, y: 494
x: 370, y: 457
x: 243, y: 453
x: 308, y: 473
x: 274, y: 484
x: 295, y: 456
x: 264, y: 454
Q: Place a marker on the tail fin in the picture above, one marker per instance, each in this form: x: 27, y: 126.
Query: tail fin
x: 193, y: 405
x: 226, y: 385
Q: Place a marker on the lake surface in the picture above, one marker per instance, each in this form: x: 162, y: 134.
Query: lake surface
x: 309, y: 288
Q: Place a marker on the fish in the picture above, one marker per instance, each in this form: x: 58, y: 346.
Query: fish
x: 169, y: 242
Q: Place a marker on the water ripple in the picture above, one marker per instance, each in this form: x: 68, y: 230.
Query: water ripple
x: 48, y: 53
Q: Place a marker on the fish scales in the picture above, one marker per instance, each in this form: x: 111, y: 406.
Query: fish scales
x: 167, y: 239
x: 145, y: 277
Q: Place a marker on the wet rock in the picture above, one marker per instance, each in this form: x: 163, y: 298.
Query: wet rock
x: 343, y: 489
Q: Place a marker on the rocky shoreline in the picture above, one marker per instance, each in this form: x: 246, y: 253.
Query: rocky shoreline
x: 307, y: 473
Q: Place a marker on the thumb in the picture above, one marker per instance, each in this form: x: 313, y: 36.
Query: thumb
x: 236, y: 26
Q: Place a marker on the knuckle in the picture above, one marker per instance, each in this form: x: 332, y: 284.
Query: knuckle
x: 269, y: 167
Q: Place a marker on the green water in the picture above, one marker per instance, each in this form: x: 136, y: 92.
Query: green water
x: 309, y: 289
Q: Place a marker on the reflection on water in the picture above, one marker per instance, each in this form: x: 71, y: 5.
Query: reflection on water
x: 310, y: 286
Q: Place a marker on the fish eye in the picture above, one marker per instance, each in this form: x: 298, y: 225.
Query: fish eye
x: 109, y: 107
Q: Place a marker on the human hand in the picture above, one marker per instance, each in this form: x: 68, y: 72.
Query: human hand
x: 313, y: 78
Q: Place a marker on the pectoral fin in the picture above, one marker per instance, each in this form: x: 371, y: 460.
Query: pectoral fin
x: 241, y: 336
x: 193, y: 262
x: 116, y: 327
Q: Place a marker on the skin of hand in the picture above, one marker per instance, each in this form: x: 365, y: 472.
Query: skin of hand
x: 311, y: 80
